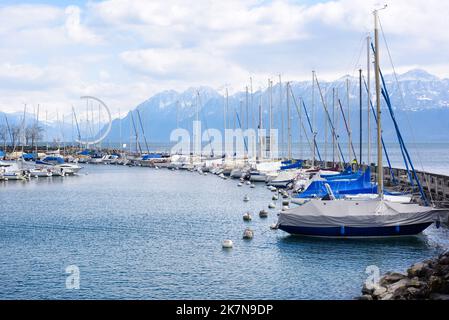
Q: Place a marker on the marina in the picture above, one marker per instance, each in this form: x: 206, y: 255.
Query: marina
x: 275, y: 189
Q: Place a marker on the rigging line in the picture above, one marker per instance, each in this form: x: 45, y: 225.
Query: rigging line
x: 361, y: 46
x: 143, y: 131
x: 382, y: 139
x: 205, y: 123
x: 329, y: 119
x: 301, y: 122
x: 401, y: 95
x: 240, y: 125
x: 347, y: 129
x: 311, y: 129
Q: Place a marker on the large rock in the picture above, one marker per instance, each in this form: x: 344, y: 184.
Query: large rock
x: 391, y: 277
x: 424, y: 280
x: 417, y: 270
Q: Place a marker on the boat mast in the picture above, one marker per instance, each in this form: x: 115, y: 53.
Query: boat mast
x: 260, y: 127
x: 360, y: 115
x: 379, y: 130
x: 368, y: 100
x: 289, y: 125
x: 270, y: 85
x: 333, y: 119
x: 119, y: 130
x: 313, y: 119
x: 282, y: 116
x: 349, y: 122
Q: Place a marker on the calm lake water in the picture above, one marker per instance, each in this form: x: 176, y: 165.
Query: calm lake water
x: 140, y: 233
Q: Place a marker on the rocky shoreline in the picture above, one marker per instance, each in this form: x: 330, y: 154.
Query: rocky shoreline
x: 427, y: 280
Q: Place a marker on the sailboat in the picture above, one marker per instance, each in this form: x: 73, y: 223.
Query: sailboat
x: 363, y: 217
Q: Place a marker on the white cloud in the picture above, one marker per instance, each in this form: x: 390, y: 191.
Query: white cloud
x: 124, y: 51
x: 75, y: 30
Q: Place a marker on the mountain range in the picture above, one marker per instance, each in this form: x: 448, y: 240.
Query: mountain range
x: 420, y: 101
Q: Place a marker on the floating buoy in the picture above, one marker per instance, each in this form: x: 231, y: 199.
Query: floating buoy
x: 248, y: 182
x: 247, y: 217
x: 263, y: 213
x: 227, y: 244
x: 274, y: 226
x: 271, y: 205
x: 285, y: 208
x: 285, y: 202
x: 252, y: 185
x: 248, y: 234
x: 275, y: 197
x: 239, y: 184
x: 285, y: 196
x: 246, y: 198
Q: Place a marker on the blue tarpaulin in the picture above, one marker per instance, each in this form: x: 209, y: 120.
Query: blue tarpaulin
x: 2, y: 154
x: 291, y: 164
x: 29, y: 156
x: 318, y: 188
x: 152, y: 156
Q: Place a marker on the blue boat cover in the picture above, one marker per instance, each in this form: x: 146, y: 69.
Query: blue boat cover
x: 2, y: 154
x: 29, y: 156
x: 339, y: 186
x: 84, y: 152
x: 291, y: 164
x: 152, y: 156
x: 59, y: 160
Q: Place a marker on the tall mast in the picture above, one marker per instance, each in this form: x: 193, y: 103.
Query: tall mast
x: 282, y: 116
x: 247, y: 108
x: 360, y: 115
x: 368, y: 100
x: 325, y: 140
x: 35, y: 133
x: 289, y: 125
x: 260, y: 127
x: 379, y: 132
x: 46, y: 130
x: 349, y: 122
x: 270, y: 86
x: 333, y: 119
x: 226, y: 108
x: 313, y: 119
x: 251, y: 102
x: 120, y: 129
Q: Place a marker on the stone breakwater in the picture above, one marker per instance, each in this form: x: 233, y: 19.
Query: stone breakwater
x: 424, y: 280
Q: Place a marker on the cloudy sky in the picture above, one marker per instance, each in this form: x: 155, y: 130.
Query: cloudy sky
x: 52, y: 52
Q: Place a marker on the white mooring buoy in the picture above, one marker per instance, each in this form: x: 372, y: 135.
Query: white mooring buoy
x: 239, y: 184
x: 274, y: 226
x: 248, y: 234
x: 271, y: 205
x: 246, y: 198
x: 275, y: 197
x: 247, y: 217
x: 227, y: 244
x: 252, y: 185
x: 248, y: 182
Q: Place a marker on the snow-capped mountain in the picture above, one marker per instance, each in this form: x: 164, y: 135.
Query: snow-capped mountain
x: 420, y: 101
